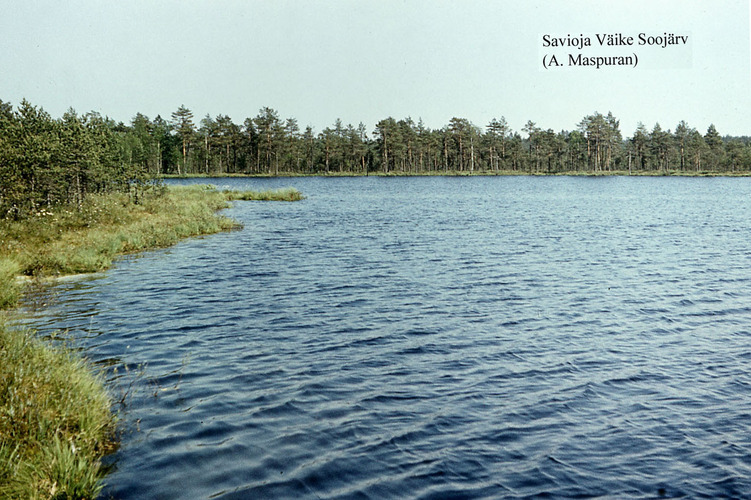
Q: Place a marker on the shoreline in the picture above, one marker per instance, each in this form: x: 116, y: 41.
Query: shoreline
x: 464, y: 173
x: 58, y: 417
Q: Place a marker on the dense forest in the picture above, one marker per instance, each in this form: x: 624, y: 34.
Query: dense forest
x: 46, y: 161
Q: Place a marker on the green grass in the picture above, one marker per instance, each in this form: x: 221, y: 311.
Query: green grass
x: 283, y: 194
x: 69, y: 241
x: 9, y: 289
x: 55, y: 420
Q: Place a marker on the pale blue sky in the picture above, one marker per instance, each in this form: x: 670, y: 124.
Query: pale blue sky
x: 366, y: 60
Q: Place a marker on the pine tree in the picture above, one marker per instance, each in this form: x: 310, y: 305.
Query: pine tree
x: 182, y: 123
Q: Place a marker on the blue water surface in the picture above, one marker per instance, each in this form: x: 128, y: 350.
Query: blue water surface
x: 438, y: 337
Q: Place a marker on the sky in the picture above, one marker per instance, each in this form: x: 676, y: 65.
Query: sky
x: 366, y: 60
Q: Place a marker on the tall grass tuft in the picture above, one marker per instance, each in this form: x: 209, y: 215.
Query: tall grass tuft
x: 9, y: 289
x: 282, y: 194
x: 55, y: 420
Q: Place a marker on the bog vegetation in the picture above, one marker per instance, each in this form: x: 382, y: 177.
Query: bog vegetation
x: 55, y: 412
x: 55, y: 421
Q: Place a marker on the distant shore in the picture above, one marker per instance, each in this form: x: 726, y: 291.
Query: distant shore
x: 478, y: 173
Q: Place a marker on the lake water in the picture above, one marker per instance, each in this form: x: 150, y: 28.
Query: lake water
x: 443, y: 337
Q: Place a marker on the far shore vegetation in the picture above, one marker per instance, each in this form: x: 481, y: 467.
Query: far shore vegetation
x: 57, y: 417
x: 45, y: 160
x: 479, y: 173
x: 267, y: 144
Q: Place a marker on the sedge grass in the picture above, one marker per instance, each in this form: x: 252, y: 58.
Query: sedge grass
x: 282, y: 194
x: 68, y: 241
x: 9, y: 289
x: 55, y: 420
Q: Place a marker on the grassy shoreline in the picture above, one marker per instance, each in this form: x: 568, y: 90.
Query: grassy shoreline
x: 56, y: 420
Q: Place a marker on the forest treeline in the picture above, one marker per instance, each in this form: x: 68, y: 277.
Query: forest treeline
x: 45, y: 161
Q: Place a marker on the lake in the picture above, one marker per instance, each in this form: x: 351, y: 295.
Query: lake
x: 436, y: 337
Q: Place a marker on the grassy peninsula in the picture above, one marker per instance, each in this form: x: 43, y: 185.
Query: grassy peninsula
x: 56, y: 416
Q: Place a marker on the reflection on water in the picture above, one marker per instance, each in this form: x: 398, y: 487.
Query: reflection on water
x: 435, y: 338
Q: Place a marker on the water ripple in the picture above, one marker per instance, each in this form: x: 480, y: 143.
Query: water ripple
x: 436, y: 338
